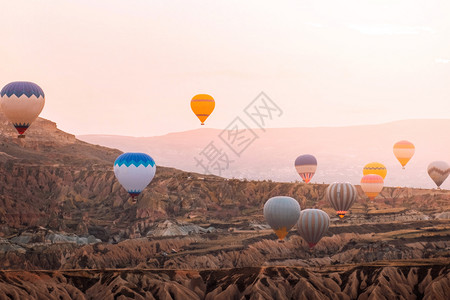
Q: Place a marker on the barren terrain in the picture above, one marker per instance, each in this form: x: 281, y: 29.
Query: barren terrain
x: 68, y: 230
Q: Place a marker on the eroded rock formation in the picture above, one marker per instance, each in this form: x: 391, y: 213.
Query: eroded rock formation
x: 385, y: 281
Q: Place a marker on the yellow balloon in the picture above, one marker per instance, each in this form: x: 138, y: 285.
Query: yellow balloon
x: 202, y: 105
x: 375, y: 168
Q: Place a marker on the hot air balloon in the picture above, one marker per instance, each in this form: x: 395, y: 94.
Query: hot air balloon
x: 341, y: 197
x: 312, y: 225
x: 404, y: 150
x: 438, y: 171
x: 306, y: 166
x: 375, y: 168
x: 281, y: 213
x: 134, y: 171
x: 202, y: 105
x: 22, y: 102
x: 372, y: 184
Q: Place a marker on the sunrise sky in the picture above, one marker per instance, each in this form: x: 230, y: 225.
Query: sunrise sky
x: 130, y: 67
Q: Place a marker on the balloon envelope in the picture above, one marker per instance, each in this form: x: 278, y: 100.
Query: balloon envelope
x: 403, y: 151
x: 281, y: 213
x: 134, y: 171
x: 438, y: 171
x: 202, y: 105
x: 312, y: 225
x: 372, y: 185
x: 22, y: 102
x: 375, y: 168
x: 341, y: 196
x: 306, y: 166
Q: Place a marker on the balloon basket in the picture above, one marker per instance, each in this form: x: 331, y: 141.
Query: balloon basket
x: 21, y: 136
x: 132, y: 200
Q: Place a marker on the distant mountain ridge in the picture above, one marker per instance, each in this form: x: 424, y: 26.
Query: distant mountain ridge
x: 53, y: 180
x: 341, y: 152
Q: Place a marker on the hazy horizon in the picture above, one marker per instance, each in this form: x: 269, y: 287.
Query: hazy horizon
x: 341, y: 152
x: 255, y: 127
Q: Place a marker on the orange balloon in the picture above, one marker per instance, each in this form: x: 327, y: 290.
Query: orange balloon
x: 404, y: 150
x: 202, y: 105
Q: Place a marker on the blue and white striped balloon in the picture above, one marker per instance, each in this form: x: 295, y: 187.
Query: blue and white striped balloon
x: 134, y: 171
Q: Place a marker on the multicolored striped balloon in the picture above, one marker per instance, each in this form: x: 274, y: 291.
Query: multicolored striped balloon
x: 202, y: 105
x: 438, y: 171
x: 134, y: 171
x: 404, y: 151
x: 312, y: 225
x: 306, y: 166
x: 341, y: 196
x: 281, y: 213
x: 22, y: 102
x: 372, y: 185
x: 375, y: 168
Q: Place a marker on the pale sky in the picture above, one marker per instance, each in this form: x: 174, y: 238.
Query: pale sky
x: 130, y: 67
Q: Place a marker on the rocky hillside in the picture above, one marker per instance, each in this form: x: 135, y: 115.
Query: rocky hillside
x: 387, y: 280
x: 62, y: 210
x: 237, y: 248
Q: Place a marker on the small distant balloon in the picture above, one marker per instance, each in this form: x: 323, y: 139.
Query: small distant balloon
x: 22, y: 102
x: 375, y: 168
x: 134, y: 171
x: 281, y: 213
x: 372, y: 185
x: 312, y: 225
x: 438, y: 171
x: 341, y: 196
x: 404, y: 151
x: 306, y: 166
x: 202, y: 105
